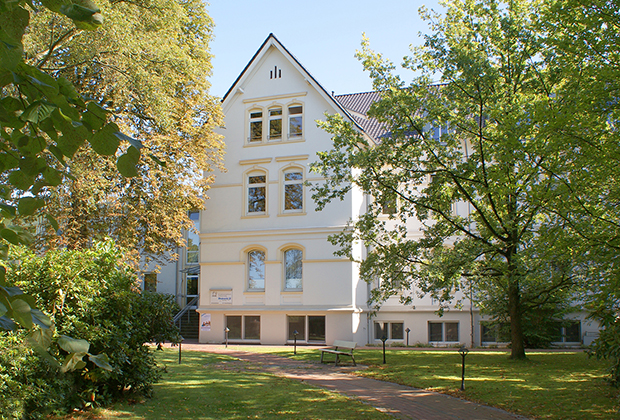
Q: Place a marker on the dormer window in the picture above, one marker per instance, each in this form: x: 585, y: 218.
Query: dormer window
x: 275, y: 124
x: 295, y: 121
x: 256, y: 127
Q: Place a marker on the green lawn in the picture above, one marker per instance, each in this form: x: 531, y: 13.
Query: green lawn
x: 548, y: 385
x: 209, y: 386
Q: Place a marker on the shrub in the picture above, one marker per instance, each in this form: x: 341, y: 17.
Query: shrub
x: 91, y: 295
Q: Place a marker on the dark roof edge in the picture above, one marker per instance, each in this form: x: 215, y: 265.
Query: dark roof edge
x: 248, y: 65
x: 271, y: 35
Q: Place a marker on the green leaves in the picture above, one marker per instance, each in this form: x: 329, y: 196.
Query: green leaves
x: 127, y: 162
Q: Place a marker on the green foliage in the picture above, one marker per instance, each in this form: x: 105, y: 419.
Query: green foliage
x: 148, y: 63
x: 43, y: 122
x: 471, y: 200
x: 91, y: 294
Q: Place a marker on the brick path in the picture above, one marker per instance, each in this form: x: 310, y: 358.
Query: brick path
x: 400, y: 401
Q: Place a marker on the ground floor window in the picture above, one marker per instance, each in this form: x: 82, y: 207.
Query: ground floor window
x: 391, y: 330
x: 568, y: 332
x: 443, y: 331
x: 309, y: 328
x: 493, y: 332
x: 246, y: 327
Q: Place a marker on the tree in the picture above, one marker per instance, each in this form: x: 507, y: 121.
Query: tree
x: 584, y: 37
x: 43, y: 122
x: 467, y: 158
x: 148, y: 64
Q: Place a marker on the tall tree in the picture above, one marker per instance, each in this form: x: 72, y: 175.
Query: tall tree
x: 584, y: 37
x: 148, y: 63
x: 467, y: 158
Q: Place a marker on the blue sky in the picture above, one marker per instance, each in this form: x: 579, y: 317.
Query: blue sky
x: 322, y: 34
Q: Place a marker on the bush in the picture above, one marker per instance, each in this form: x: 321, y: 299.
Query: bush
x: 91, y: 295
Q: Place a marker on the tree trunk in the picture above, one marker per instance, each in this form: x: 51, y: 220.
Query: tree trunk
x: 514, y: 310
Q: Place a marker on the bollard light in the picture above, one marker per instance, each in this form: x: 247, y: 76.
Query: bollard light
x: 463, y: 352
x: 226, y: 331
x: 180, y: 341
x: 384, y: 339
x: 407, y: 330
x: 295, y: 341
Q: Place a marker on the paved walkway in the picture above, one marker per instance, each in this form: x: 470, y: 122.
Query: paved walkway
x: 400, y: 401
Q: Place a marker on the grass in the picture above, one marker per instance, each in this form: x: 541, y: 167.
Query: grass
x: 210, y: 386
x: 548, y: 385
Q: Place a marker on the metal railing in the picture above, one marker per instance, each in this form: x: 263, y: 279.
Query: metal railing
x: 185, y: 311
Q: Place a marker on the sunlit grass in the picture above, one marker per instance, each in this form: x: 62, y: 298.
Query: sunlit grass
x: 548, y: 385
x: 210, y: 386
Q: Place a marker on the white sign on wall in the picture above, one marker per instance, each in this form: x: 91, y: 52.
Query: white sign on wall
x: 221, y: 297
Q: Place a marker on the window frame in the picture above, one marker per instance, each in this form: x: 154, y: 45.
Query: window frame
x: 387, y: 328
x: 276, y: 117
x: 243, y: 327
x: 248, y: 270
x: 290, y: 117
x: 296, y: 183
x: 286, y: 288
x: 255, y: 172
x: 444, y: 331
x: 193, y: 252
x: 150, y: 282
x: 255, y: 120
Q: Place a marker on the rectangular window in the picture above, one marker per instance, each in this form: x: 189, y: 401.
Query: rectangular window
x: 391, y: 330
x: 295, y: 120
x: 256, y: 193
x: 275, y: 124
x: 388, y: 203
x: 251, y: 329
x: 297, y: 323
x: 494, y: 332
x: 568, y: 332
x: 245, y: 327
x: 193, y: 240
x: 150, y: 282
x: 443, y: 331
x: 316, y: 328
x: 233, y: 323
x: 256, y: 127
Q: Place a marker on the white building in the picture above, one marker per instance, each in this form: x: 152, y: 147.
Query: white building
x: 267, y: 269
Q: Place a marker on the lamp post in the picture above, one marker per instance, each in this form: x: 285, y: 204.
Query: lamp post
x: 407, y: 330
x: 180, y: 341
x: 295, y: 341
x: 384, y: 339
x: 463, y: 352
x: 226, y: 330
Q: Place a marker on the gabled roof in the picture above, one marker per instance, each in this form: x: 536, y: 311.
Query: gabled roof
x: 361, y: 122
x: 358, y: 104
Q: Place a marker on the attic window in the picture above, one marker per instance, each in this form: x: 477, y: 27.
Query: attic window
x: 276, y: 73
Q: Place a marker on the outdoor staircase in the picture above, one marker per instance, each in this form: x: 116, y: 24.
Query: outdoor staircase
x: 188, y: 321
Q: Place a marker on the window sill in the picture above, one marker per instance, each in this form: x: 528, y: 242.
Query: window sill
x: 254, y: 292
x: 254, y: 216
x: 292, y: 292
x: 292, y: 213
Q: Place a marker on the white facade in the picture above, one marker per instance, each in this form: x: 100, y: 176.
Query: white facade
x: 266, y: 266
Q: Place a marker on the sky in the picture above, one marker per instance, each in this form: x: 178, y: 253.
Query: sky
x: 322, y: 34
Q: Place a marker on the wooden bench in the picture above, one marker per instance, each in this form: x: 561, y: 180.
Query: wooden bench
x: 340, y: 348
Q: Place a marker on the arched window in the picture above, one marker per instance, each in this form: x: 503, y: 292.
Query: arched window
x: 257, y: 199
x: 293, y: 269
x: 256, y: 270
x: 275, y: 124
x: 293, y: 190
